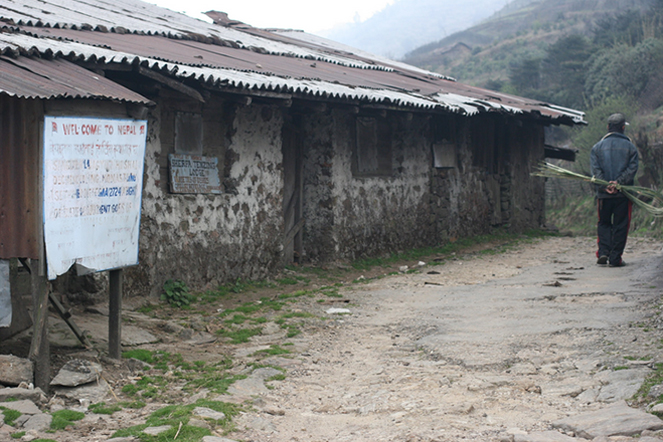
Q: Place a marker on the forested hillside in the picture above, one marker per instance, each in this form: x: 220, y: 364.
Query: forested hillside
x: 599, y: 56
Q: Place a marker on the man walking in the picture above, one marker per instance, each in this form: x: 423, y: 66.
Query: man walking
x: 613, y: 159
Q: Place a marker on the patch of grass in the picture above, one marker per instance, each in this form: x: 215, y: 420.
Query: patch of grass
x: 276, y: 377
x: 147, y: 309
x: 331, y: 292
x: 184, y: 433
x: 297, y: 294
x: 178, y: 416
x: 620, y: 367
x: 297, y: 315
x: 293, y: 331
x: 44, y: 440
x: 135, y: 405
x: 64, y: 418
x: 10, y: 415
x: 147, y: 387
x: 655, y: 378
x: 102, y: 408
x: 250, y: 308
x: 215, y: 382
x: 18, y: 434
x: 273, y: 350
x: 146, y: 356
x: 235, y: 288
x: 239, y: 336
x: 449, y: 248
x: 237, y: 319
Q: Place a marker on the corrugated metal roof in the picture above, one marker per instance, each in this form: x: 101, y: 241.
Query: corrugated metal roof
x: 26, y: 77
x: 137, y: 17
x: 317, y: 69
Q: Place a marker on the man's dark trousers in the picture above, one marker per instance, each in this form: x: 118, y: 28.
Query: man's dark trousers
x: 614, y: 222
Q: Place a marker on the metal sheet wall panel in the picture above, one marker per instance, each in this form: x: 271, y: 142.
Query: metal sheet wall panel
x: 19, y: 177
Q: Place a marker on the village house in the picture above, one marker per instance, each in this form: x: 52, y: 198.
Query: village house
x: 305, y: 150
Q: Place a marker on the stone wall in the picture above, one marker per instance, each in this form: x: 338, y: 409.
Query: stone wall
x: 317, y: 131
x: 378, y: 214
x: 490, y: 184
x: 355, y: 203
x: 210, y: 239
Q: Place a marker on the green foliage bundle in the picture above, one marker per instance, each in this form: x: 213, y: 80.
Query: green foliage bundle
x: 633, y: 193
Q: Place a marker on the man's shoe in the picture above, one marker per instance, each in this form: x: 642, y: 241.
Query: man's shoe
x: 621, y: 263
x: 602, y: 260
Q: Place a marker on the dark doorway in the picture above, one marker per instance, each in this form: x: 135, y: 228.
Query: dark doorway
x: 293, y: 185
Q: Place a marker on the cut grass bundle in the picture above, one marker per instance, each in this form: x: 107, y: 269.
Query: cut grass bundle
x: 633, y: 193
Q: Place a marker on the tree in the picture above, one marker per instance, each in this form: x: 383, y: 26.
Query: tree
x: 625, y: 28
x: 525, y: 76
x: 623, y: 70
x: 563, y: 70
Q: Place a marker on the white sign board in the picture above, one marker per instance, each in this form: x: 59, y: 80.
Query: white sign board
x: 93, y: 180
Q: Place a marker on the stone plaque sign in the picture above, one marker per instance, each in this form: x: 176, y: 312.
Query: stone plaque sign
x: 194, y: 174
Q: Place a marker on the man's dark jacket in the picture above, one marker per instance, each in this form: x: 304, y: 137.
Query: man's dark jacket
x: 614, y: 158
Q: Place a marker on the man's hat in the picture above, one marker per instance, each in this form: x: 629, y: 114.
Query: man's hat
x: 617, y: 120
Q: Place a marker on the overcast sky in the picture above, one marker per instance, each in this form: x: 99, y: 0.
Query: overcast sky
x: 308, y: 15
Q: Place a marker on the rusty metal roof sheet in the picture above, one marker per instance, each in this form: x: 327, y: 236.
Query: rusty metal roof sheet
x: 317, y: 69
x: 27, y: 77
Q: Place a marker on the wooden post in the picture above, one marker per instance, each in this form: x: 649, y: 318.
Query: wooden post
x: 115, y: 314
x: 40, y: 350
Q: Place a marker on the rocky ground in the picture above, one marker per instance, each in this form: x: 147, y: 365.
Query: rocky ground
x: 518, y: 340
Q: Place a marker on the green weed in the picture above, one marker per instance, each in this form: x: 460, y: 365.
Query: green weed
x: 176, y: 293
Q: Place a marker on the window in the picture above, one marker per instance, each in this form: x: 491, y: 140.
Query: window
x: 444, y: 142
x: 372, y: 156
x: 188, y: 133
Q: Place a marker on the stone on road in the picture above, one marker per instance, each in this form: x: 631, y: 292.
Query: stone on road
x: 615, y: 420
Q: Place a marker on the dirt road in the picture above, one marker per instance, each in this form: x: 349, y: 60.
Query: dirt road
x: 476, y: 349
x: 493, y: 345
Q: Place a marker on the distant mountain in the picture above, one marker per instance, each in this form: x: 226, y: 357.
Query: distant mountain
x: 408, y: 24
x: 483, y: 54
